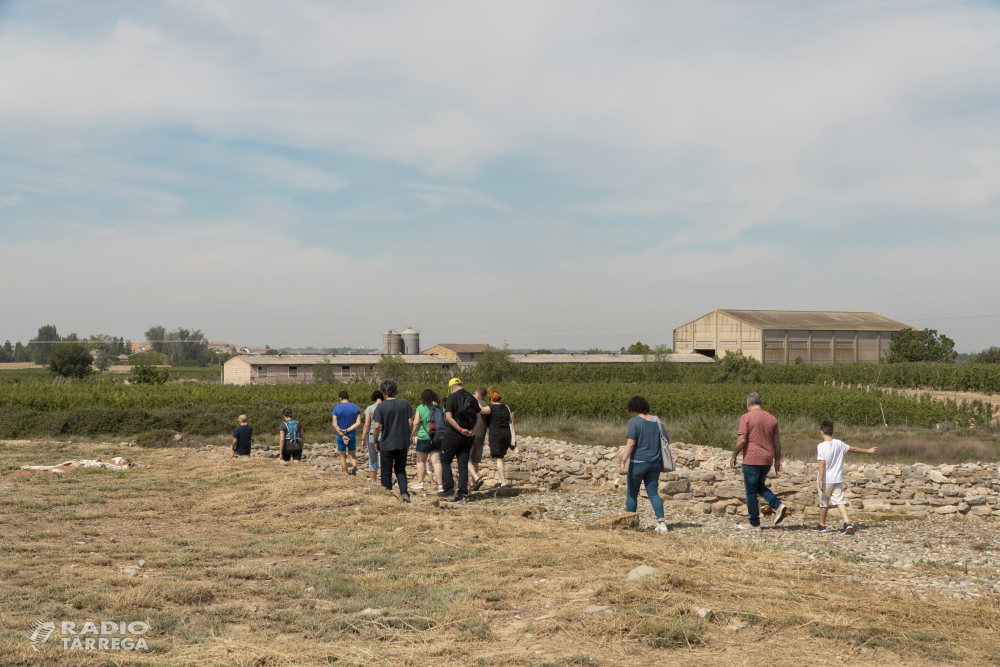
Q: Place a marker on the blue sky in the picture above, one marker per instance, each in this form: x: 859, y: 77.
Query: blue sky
x: 550, y: 174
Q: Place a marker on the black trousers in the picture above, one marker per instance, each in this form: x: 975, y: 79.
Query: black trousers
x: 454, y: 447
x: 394, y: 461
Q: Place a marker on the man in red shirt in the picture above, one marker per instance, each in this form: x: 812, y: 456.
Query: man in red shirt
x: 760, y: 444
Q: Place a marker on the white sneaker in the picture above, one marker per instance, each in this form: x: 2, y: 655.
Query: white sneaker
x: 419, y: 486
x: 440, y: 488
x: 747, y: 526
x: 661, y: 528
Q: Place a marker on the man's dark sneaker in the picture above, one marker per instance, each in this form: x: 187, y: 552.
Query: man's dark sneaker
x: 780, y: 514
x: 446, y: 494
x: 820, y: 528
x: 405, y: 497
x: 848, y: 529
x: 478, y: 485
x: 459, y: 497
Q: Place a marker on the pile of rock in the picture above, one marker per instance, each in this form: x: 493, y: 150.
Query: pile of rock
x: 704, y: 480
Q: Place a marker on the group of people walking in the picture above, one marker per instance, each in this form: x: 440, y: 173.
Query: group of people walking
x: 458, y: 430
x: 442, y: 435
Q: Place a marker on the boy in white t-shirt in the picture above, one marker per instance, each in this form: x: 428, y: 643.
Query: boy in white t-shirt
x: 830, y: 479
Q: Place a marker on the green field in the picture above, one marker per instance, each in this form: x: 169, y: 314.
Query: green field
x: 33, y: 407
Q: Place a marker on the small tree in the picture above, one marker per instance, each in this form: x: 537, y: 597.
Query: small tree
x: 71, y: 360
x: 990, y: 355
x: 658, y: 362
x: 927, y: 345
x: 637, y: 347
x: 392, y: 367
x: 149, y: 375
x: 102, y: 360
x: 41, y: 346
x: 496, y: 366
x: 737, y: 368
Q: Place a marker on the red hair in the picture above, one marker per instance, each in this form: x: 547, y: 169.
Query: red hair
x: 495, y: 396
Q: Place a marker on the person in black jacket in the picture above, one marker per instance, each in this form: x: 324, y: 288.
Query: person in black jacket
x: 462, y: 416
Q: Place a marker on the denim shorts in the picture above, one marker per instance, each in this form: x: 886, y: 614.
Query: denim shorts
x: 427, y: 446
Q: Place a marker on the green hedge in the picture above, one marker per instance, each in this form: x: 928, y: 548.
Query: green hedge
x: 105, y: 408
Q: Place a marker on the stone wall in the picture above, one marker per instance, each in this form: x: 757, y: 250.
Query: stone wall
x: 704, y: 480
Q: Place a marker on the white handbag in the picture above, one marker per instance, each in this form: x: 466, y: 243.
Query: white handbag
x: 666, y: 458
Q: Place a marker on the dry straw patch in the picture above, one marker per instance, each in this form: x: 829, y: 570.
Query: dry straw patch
x: 250, y: 563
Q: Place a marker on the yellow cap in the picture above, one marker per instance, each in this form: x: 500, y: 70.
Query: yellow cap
x: 453, y: 382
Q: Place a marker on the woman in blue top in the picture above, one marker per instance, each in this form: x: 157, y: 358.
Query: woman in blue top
x: 642, y: 455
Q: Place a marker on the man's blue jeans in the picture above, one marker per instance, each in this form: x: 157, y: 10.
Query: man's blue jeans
x: 640, y: 472
x: 753, y: 481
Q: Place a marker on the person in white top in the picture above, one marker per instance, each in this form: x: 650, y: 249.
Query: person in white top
x: 830, y: 479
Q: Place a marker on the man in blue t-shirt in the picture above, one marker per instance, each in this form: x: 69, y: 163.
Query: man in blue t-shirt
x: 242, y: 438
x: 346, y: 420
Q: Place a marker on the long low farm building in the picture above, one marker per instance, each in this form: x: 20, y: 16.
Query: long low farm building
x: 275, y: 369
x: 300, y: 368
x: 785, y: 336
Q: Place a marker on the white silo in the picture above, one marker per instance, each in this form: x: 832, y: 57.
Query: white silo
x: 411, y: 341
x: 392, y: 342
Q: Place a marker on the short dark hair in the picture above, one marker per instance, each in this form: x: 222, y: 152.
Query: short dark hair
x: 389, y: 388
x: 753, y: 398
x: 638, y: 405
x: 481, y: 391
x: 826, y: 426
x: 287, y: 412
x: 429, y: 396
x: 343, y: 395
x: 377, y: 396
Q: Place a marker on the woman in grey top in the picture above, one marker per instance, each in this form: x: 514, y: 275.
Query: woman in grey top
x: 367, y: 435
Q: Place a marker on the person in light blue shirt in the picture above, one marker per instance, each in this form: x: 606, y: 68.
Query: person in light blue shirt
x: 346, y: 421
x: 642, y: 456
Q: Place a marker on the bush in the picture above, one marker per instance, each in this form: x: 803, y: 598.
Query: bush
x: 161, y: 437
x: 148, y: 358
x: 71, y: 360
x: 149, y: 375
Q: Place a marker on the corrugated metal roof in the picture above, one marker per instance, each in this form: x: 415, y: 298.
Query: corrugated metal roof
x: 530, y: 359
x: 463, y: 348
x: 816, y: 320
x: 338, y: 359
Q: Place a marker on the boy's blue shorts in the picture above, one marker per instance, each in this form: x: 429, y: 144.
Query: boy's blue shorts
x: 347, y: 444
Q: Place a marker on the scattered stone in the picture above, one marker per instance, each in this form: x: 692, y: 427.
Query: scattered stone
x: 370, y: 612
x: 736, y: 627
x: 642, y: 572
x: 595, y: 609
x: 703, y: 612
x: 142, y: 563
x: 627, y: 521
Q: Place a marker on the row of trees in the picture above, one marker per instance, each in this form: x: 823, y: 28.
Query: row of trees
x: 40, y: 348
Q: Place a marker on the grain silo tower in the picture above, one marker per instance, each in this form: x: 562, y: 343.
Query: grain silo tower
x: 392, y: 342
x: 411, y: 341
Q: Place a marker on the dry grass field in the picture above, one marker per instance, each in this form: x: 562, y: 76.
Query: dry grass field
x: 250, y: 563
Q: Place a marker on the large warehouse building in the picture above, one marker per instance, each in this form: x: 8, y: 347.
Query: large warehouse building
x: 783, y: 336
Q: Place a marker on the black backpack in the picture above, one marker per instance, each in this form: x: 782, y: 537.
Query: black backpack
x: 465, y: 412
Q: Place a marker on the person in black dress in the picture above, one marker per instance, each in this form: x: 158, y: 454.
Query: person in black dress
x: 499, y: 421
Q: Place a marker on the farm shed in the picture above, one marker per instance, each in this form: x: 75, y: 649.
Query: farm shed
x: 549, y: 359
x: 461, y: 354
x: 290, y: 368
x: 783, y: 336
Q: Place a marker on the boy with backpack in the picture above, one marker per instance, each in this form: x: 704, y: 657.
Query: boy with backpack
x: 290, y: 438
x: 461, y: 412
x: 830, y: 478
x: 430, y: 431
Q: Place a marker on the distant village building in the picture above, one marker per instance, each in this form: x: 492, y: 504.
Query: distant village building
x: 784, y: 336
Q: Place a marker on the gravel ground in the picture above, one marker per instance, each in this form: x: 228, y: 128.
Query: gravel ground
x: 933, y: 555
